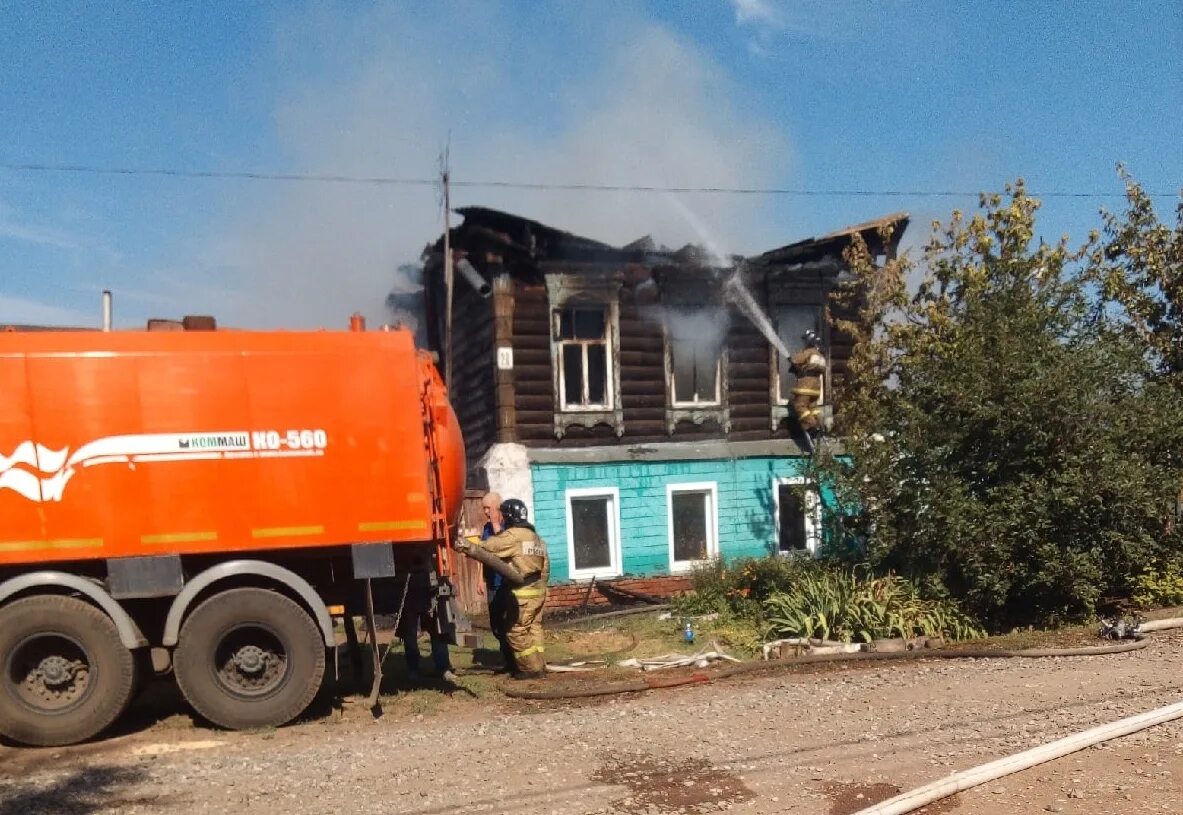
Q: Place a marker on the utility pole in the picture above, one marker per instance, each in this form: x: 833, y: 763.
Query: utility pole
x: 448, y: 274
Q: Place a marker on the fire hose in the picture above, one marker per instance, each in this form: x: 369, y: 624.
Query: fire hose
x: 965, y: 779
x: 957, y: 782
x: 700, y: 678
x: 486, y: 558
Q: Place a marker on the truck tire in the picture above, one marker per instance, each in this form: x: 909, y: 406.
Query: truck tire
x: 249, y: 658
x: 66, y: 674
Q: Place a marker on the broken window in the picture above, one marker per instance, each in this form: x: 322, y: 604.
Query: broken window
x: 692, y: 523
x: 593, y: 533
x: 694, y: 341
x: 582, y: 340
x: 791, y: 323
x: 798, y: 517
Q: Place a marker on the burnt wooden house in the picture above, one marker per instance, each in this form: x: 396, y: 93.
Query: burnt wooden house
x: 629, y: 394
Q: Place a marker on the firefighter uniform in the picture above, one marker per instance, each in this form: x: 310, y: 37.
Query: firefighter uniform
x: 808, y: 365
x: 521, y: 547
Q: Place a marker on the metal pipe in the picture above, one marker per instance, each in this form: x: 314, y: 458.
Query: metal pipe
x: 106, y: 310
x: 473, y: 278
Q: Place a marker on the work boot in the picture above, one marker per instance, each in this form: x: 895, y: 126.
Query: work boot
x: 524, y: 675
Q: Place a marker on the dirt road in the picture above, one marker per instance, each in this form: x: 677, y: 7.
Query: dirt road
x: 826, y: 742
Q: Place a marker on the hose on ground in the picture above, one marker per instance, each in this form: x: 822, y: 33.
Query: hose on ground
x: 965, y: 779
x: 654, y: 683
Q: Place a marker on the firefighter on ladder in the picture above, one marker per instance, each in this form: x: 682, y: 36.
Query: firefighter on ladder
x: 809, y: 365
x: 521, y: 548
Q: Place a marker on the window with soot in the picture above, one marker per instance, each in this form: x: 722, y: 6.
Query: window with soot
x: 694, y: 341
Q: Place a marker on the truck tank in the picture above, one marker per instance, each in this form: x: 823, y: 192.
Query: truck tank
x: 207, y: 494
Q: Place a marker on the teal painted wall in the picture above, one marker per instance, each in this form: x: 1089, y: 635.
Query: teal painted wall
x: 746, y: 509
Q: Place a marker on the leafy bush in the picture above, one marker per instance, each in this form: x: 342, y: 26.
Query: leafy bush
x: 739, y: 588
x: 1013, y: 441
x: 840, y: 604
x: 1161, y: 586
x: 803, y: 597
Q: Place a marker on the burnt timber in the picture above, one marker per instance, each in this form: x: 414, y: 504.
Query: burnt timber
x: 510, y: 356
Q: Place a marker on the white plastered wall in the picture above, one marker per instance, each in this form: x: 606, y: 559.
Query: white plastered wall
x: 507, y: 468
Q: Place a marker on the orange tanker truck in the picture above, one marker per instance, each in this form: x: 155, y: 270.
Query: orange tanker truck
x: 200, y: 500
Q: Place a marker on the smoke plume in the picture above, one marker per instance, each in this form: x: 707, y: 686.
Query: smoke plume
x: 384, y: 90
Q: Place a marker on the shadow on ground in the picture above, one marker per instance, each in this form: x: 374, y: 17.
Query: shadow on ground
x: 79, y: 792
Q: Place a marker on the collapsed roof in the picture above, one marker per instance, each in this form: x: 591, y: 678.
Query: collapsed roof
x: 525, y: 246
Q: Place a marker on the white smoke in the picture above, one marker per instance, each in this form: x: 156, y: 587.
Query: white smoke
x: 389, y: 91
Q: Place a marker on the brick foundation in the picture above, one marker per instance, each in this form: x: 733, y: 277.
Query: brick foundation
x: 567, y: 595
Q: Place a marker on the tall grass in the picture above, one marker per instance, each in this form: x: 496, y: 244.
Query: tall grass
x: 803, y: 597
x: 842, y: 604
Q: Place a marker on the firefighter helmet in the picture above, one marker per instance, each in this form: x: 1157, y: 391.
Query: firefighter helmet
x: 514, y: 511
x: 811, y: 338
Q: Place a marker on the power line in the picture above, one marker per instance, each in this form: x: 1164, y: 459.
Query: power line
x: 318, y: 178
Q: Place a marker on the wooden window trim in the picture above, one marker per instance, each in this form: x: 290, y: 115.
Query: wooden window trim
x: 573, y: 290
x: 697, y: 412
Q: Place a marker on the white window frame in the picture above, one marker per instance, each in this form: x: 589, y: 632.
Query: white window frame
x: 609, y: 358
x: 672, y: 389
x: 711, y: 488
x: 614, y: 567
x: 812, y: 512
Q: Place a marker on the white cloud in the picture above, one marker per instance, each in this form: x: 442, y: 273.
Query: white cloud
x: 653, y: 111
x: 757, y: 12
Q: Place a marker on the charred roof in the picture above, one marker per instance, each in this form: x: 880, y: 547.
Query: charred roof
x: 526, y: 247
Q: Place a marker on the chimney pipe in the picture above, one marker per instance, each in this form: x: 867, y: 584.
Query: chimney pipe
x: 106, y: 310
x: 473, y: 278
x: 357, y: 322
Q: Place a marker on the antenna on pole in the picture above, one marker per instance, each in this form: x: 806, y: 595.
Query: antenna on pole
x: 448, y: 270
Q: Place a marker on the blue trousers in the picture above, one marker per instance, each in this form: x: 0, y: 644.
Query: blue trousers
x: 439, y: 651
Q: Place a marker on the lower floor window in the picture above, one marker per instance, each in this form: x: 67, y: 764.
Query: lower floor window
x: 693, y: 523
x: 798, y: 516
x: 593, y: 533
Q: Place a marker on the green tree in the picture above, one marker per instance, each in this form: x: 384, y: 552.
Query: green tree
x: 1140, y: 268
x: 1008, y: 445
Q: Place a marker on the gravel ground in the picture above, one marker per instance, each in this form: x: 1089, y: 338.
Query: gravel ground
x: 830, y: 741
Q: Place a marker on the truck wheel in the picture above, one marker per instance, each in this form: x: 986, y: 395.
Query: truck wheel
x: 249, y: 658
x: 67, y: 675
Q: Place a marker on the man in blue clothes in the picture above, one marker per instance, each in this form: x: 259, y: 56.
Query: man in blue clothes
x: 496, y: 589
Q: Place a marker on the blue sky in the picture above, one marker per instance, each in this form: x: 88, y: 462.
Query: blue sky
x: 750, y: 93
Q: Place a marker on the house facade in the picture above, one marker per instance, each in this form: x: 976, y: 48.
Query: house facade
x: 629, y: 395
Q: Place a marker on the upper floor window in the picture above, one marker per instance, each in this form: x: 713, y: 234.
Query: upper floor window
x: 583, y: 342
x: 791, y: 322
x: 694, y: 344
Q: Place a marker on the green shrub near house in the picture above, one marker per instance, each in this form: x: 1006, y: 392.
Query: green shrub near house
x: 1159, y: 586
x: 1013, y: 414
x: 776, y: 597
